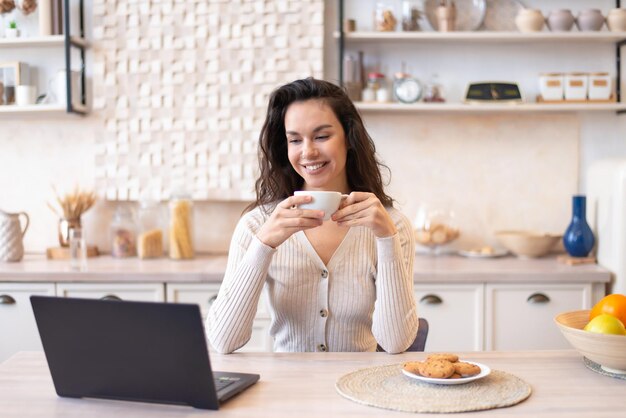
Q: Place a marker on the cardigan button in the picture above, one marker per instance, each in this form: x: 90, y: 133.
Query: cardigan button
x: 323, y: 313
x: 322, y: 347
x: 324, y: 274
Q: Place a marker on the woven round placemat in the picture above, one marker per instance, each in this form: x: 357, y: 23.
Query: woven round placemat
x: 598, y: 369
x: 386, y: 387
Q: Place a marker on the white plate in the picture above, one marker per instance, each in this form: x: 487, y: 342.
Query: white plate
x: 484, y: 371
x: 469, y: 14
x: 501, y: 14
x: 477, y: 254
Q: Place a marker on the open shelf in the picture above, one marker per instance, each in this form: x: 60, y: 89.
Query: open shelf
x: 39, y: 41
x: 485, y: 36
x: 491, y: 107
x: 38, y: 109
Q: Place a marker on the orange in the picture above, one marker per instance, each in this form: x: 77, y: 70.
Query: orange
x: 614, y: 305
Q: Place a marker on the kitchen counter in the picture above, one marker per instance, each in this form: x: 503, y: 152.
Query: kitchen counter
x: 210, y: 268
x: 303, y: 385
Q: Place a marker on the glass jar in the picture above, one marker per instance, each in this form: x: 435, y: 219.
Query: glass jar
x: 382, y: 93
x: 123, y: 233
x: 384, y: 17
x: 373, y: 84
x: 150, y: 230
x: 181, y: 227
x: 411, y: 14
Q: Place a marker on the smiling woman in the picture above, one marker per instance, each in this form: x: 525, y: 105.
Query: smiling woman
x: 341, y: 284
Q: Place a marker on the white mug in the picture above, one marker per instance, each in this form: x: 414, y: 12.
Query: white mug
x: 25, y: 95
x: 58, y: 85
x: 322, y: 200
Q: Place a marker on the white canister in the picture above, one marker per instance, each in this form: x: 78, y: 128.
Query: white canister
x: 616, y: 20
x: 599, y: 86
x: 551, y: 86
x: 576, y: 86
x: 25, y: 95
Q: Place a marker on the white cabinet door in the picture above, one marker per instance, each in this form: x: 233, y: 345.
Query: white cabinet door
x: 454, y: 314
x: 149, y: 292
x: 204, y: 294
x: 521, y: 316
x: 18, y: 330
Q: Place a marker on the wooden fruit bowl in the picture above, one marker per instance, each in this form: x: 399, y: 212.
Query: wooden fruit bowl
x: 609, y: 351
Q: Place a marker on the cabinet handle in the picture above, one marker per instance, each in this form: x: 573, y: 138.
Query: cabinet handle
x: 538, y: 298
x: 211, y: 300
x: 431, y: 300
x: 6, y: 300
x: 111, y: 297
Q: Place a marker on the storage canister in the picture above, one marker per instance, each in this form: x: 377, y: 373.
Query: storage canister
x: 599, y: 86
x: 181, y: 227
x: 551, y: 86
x: 529, y: 20
x: 576, y: 86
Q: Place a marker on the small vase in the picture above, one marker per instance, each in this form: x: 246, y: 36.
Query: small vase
x: 578, y: 239
x: 65, y: 228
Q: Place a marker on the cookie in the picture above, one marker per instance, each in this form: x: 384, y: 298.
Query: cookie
x: 440, y: 369
x: 444, y: 356
x: 412, y: 367
x: 455, y: 376
x: 466, y: 369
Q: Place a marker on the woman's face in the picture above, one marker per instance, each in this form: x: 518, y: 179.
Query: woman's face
x: 316, y: 146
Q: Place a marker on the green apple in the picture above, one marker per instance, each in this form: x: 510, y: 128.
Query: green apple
x: 606, y: 324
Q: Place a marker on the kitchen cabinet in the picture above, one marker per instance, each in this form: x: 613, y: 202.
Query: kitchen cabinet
x: 204, y: 294
x: 504, y: 55
x: 148, y: 292
x: 521, y: 316
x: 18, y: 330
x: 454, y: 313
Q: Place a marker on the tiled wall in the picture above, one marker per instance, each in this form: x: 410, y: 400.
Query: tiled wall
x: 183, y: 89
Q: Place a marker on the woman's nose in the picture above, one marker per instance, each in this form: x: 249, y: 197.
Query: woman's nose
x: 308, y: 149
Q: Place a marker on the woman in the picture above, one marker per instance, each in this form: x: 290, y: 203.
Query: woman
x: 344, y: 284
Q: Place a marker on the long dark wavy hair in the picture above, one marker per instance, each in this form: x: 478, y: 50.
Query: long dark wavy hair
x: 278, y: 180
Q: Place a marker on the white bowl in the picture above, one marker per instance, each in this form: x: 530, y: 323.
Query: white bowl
x: 527, y: 243
x: 608, y: 350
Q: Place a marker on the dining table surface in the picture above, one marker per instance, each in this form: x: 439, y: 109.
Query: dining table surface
x: 303, y: 385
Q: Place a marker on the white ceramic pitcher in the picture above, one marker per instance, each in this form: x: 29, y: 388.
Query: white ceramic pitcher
x: 11, y: 234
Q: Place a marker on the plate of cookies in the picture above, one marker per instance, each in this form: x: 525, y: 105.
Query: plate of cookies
x: 445, y: 369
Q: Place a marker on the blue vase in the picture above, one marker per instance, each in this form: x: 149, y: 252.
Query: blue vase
x: 578, y: 239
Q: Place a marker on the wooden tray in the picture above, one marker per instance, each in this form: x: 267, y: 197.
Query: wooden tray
x: 63, y: 253
x: 611, y: 99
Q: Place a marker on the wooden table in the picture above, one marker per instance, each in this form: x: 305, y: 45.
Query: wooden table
x: 298, y: 385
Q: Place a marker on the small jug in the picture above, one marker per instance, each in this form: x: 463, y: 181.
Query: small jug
x: 11, y: 234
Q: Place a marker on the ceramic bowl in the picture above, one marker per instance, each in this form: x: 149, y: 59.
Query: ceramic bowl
x: 609, y: 351
x: 527, y: 244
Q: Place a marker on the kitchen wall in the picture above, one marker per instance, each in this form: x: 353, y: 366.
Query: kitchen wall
x: 495, y: 170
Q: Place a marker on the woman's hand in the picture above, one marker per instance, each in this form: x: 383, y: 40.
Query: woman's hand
x: 364, y: 209
x: 287, y: 219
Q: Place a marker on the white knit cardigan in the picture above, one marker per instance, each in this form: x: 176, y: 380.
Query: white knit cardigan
x: 364, y: 295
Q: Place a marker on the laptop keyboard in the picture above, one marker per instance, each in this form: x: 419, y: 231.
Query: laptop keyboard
x: 224, y: 381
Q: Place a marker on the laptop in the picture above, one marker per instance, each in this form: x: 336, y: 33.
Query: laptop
x: 133, y: 351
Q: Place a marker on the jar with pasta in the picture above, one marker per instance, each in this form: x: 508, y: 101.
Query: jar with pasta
x: 181, y: 227
x: 151, y: 226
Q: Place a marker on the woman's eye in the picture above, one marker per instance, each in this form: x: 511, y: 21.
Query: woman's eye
x: 293, y: 140
x: 322, y: 137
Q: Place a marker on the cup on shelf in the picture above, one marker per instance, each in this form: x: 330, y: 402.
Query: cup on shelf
x: 616, y: 20
x: 25, y: 95
x: 576, y: 86
x: 561, y: 20
x: 551, y: 86
x: 590, y: 20
x: 529, y: 20
x: 599, y: 86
